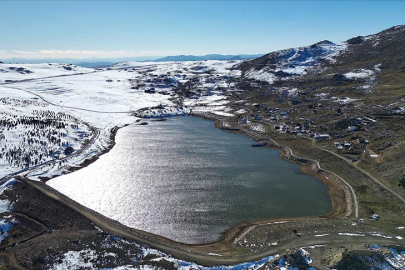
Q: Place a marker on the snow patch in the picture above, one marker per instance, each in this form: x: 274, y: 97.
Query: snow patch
x: 162, y: 112
x: 306, y: 256
x: 184, y: 265
x: 359, y: 74
x: 6, y: 205
x: 351, y: 234
x: 5, y: 225
x: 343, y: 100
x: 396, y: 259
x: 77, y: 260
x: 240, y: 111
x: 380, y: 235
x: 262, y: 75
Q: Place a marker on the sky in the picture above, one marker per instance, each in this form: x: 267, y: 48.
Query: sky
x: 113, y: 29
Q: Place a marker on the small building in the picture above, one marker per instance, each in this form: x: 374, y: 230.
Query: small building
x: 352, y: 128
x: 258, y: 117
x: 347, y: 145
x: 273, y: 118
x: 362, y: 141
x: 321, y: 137
x: 375, y: 217
x: 338, y: 145
x: 150, y: 91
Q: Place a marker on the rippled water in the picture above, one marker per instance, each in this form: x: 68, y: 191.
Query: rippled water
x: 188, y: 181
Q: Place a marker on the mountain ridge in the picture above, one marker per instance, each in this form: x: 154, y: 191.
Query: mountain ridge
x: 384, y: 49
x: 180, y: 58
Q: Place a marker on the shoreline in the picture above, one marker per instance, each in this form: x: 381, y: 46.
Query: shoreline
x: 307, y: 166
x: 90, y: 160
x: 225, y: 245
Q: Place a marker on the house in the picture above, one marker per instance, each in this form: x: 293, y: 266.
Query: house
x: 362, y: 141
x: 320, y: 137
x: 258, y: 117
x: 338, y: 145
x: 150, y: 91
x: 281, y: 128
x: 273, y: 118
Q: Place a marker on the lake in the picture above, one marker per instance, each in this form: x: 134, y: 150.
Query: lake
x: 188, y: 181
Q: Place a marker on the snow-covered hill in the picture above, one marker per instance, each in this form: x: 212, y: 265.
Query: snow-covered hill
x: 65, y: 102
x: 9, y: 72
x: 383, y: 49
x: 282, y: 65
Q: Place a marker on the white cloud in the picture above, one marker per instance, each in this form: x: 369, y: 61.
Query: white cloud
x: 80, y: 54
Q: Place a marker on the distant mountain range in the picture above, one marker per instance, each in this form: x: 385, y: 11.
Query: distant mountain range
x: 207, y: 57
x: 106, y: 62
x: 100, y: 64
x: 84, y: 61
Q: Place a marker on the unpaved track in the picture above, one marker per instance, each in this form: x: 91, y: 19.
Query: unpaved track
x: 360, y: 169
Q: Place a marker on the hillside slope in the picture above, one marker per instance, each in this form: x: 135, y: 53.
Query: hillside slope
x: 353, y: 92
x: 372, y: 65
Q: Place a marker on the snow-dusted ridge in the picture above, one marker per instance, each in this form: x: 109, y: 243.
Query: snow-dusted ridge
x: 286, y: 64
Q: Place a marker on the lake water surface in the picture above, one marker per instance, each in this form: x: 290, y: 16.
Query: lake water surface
x: 188, y: 181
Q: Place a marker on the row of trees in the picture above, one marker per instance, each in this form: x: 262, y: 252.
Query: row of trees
x: 22, y: 102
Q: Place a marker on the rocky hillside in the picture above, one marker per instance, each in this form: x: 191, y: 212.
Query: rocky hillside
x: 372, y: 65
x: 353, y: 92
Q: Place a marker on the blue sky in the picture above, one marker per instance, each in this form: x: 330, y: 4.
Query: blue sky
x: 81, y: 29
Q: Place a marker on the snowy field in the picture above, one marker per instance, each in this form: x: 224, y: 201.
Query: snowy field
x: 46, y: 108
